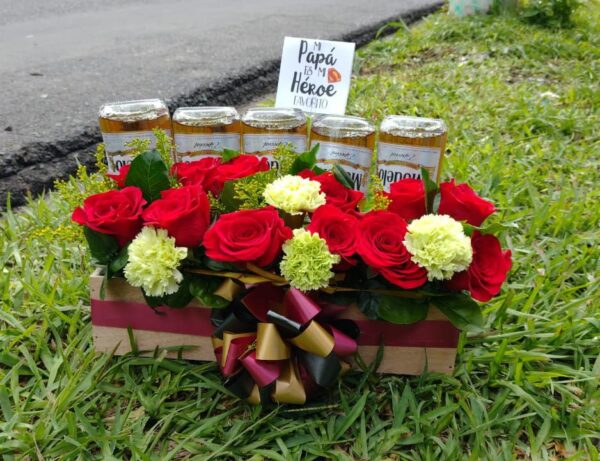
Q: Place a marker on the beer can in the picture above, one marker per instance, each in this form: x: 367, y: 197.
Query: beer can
x: 265, y: 128
x: 122, y: 122
x: 408, y: 143
x: 346, y: 141
x: 204, y: 132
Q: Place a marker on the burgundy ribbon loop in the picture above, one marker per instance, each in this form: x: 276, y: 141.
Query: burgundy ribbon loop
x: 264, y: 372
x: 300, y: 307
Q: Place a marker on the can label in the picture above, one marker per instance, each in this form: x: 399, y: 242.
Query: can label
x: 190, y: 147
x: 116, y: 149
x: 264, y: 144
x: 397, y: 161
x: 356, y: 161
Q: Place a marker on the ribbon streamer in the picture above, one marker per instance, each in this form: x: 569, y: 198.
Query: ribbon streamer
x: 261, y: 276
x: 281, y: 346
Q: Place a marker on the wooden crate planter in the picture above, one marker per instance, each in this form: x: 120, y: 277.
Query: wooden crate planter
x: 410, y: 349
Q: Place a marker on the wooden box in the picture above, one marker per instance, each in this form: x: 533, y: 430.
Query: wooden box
x: 409, y: 349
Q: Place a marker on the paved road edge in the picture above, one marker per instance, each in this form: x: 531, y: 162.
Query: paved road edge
x: 34, y: 168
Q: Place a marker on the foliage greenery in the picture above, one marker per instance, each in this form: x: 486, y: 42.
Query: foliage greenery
x: 522, y: 104
x: 550, y: 13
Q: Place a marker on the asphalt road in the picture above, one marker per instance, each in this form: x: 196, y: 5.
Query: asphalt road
x: 61, y: 59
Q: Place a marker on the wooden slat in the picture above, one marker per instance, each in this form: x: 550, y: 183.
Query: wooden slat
x: 107, y: 338
x: 411, y: 360
x: 396, y: 360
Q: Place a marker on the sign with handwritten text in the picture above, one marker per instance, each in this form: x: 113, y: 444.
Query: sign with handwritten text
x: 315, y: 75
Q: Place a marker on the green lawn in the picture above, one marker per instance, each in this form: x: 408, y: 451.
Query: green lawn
x: 522, y: 104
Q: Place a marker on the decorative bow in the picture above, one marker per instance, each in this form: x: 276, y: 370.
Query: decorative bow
x: 281, y: 345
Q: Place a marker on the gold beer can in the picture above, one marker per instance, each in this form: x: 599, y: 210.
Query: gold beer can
x: 121, y: 122
x: 205, y: 132
x: 346, y: 141
x: 408, y: 143
x: 265, y: 128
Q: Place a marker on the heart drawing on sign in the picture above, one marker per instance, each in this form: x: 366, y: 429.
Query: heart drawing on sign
x: 333, y: 76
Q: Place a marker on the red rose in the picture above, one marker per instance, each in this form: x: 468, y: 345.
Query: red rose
x: 252, y: 236
x: 463, y: 204
x: 183, y: 212
x: 116, y: 212
x: 379, y: 242
x: 337, y: 228
x: 200, y: 172
x: 336, y: 193
x: 121, y: 176
x: 488, y: 270
x: 240, y: 167
x: 407, y: 198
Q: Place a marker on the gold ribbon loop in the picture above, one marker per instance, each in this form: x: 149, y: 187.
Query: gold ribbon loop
x: 269, y: 344
x: 216, y: 342
x: 228, y: 290
x: 315, y: 339
x: 346, y: 367
x: 288, y: 387
x: 254, y: 397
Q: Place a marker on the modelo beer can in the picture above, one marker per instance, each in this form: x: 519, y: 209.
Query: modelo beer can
x: 204, y: 132
x: 122, y: 122
x: 345, y: 141
x: 408, y: 143
x: 265, y: 128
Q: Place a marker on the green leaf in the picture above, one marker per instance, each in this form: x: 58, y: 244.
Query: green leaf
x: 203, y: 289
x: 181, y: 297
x: 149, y: 173
x: 153, y: 301
x: 368, y: 303
x: 229, y: 154
x: 132, y: 342
x: 119, y: 261
x: 431, y: 189
x: 461, y: 310
x: 402, y: 310
x: 340, y: 297
x: 219, y: 266
x: 305, y: 161
x: 103, y: 247
x: 394, y: 309
x: 343, y: 423
x: 227, y: 196
x: 342, y: 176
x: 436, y: 202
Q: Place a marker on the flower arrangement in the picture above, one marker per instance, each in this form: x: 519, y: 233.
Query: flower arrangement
x: 271, y: 249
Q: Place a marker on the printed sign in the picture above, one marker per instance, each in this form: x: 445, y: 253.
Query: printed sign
x: 315, y: 75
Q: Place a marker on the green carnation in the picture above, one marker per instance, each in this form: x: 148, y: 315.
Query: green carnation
x: 438, y: 243
x: 153, y: 262
x: 307, y: 261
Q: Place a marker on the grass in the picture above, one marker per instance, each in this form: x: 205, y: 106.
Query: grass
x: 522, y: 104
